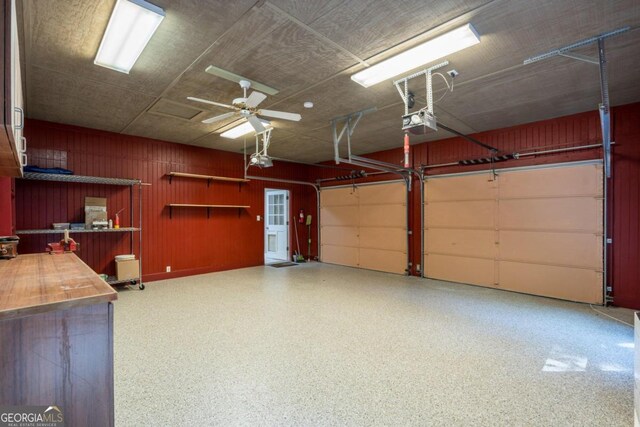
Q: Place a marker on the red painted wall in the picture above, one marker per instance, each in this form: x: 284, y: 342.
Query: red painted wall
x: 570, y: 131
x: 624, y: 207
x: 190, y: 243
x: 226, y: 241
x: 7, y: 206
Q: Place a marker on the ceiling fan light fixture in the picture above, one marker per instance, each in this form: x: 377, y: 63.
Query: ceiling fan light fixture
x: 228, y: 75
x: 436, y: 48
x: 243, y: 129
x: 131, y: 26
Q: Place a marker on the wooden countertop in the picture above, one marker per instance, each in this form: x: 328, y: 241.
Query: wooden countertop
x: 38, y: 283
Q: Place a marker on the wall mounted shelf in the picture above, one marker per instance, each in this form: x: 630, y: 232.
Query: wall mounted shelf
x: 208, y: 207
x: 105, y: 230
x: 208, y: 178
x: 81, y: 179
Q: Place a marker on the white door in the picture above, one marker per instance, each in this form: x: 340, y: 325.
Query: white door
x: 276, y: 221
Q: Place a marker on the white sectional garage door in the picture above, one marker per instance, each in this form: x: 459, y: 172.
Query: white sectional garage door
x: 365, y: 226
x: 537, y: 231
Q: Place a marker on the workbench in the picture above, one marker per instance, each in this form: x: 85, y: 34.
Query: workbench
x: 56, y: 337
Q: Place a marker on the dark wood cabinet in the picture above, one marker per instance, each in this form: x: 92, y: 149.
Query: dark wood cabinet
x: 56, y: 338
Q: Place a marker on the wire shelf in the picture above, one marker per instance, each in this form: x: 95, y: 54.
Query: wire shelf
x: 105, y: 230
x: 80, y: 179
x: 120, y: 282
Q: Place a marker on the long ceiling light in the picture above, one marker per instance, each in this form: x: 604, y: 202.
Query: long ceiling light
x: 243, y: 129
x: 446, y: 44
x: 130, y: 28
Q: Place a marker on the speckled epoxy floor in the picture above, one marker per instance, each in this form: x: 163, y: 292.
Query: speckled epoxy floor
x: 318, y: 344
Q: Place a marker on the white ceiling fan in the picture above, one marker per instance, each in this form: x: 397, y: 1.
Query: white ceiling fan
x: 247, y: 108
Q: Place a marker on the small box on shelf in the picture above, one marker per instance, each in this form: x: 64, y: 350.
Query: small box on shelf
x: 127, y: 269
x: 95, y: 210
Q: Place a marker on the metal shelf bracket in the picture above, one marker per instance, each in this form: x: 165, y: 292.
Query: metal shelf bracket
x: 601, y: 62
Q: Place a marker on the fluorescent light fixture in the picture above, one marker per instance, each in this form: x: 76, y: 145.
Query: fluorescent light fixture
x: 130, y: 28
x: 446, y: 44
x: 243, y: 129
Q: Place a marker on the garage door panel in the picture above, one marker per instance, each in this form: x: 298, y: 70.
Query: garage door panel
x: 394, y: 193
x: 365, y: 227
x: 567, y: 214
x: 577, y: 180
x: 475, y: 243
x: 339, y: 197
x: 340, y: 216
x: 575, y: 284
x: 475, y: 271
x: 383, y: 216
x: 340, y: 255
x: 340, y: 236
x: 383, y: 238
x: 547, y: 223
x: 383, y: 260
x: 475, y: 214
x: 569, y: 249
x: 470, y: 187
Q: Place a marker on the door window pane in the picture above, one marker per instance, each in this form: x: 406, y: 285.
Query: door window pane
x: 272, y: 243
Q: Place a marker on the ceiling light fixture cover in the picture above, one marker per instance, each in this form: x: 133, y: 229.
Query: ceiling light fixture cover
x: 130, y: 28
x: 243, y: 129
x: 446, y: 44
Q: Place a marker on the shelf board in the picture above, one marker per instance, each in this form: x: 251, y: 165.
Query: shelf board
x: 206, y: 177
x: 51, y: 231
x: 119, y: 282
x: 185, y: 205
x: 208, y: 207
x: 79, y: 179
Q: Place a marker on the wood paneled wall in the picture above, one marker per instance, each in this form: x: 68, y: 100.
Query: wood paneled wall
x: 7, y: 206
x: 190, y: 242
x: 112, y: 155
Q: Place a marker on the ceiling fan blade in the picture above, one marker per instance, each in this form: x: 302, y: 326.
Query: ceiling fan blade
x: 205, y: 101
x: 256, y: 123
x: 220, y: 117
x: 280, y: 115
x: 254, y: 99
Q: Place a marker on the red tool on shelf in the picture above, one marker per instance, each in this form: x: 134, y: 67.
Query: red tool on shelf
x: 65, y: 245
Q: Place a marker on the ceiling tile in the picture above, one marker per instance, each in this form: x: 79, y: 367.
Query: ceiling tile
x: 494, y: 88
x: 65, y: 35
x: 61, y: 98
x: 367, y: 28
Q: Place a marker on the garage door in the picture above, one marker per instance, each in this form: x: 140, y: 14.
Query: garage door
x: 365, y: 226
x: 537, y: 231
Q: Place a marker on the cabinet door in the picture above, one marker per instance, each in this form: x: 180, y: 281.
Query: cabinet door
x: 17, y: 102
x: 9, y: 151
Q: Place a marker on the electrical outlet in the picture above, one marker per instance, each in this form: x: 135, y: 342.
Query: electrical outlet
x: 453, y: 73
x: 258, y: 218
x: 168, y: 269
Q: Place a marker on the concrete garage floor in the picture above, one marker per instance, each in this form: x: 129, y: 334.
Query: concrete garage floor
x: 318, y: 344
